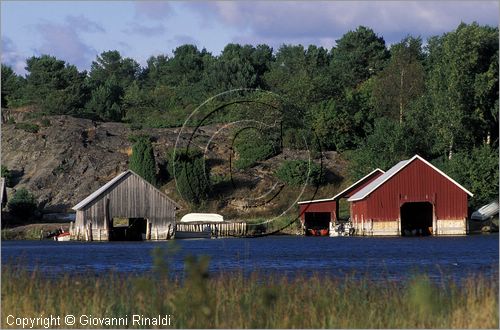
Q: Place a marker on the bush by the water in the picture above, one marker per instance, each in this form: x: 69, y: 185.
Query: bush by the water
x: 298, y: 172
x: 142, y: 160
x: 22, y: 204
x: 477, y: 170
x: 191, y: 174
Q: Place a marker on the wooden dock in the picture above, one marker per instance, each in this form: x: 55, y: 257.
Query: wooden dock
x: 222, y: 229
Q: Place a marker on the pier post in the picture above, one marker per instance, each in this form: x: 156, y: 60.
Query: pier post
x: 107, y: 220
x: 148, y: 230
x: 90, y: 231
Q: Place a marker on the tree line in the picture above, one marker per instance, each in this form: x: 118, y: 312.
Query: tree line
x: 376, y: 104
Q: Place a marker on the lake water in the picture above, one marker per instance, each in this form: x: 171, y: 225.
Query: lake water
x: 393, y: 258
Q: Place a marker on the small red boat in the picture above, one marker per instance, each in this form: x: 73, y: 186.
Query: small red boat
x: 317, y: 232
x: 62, y: 237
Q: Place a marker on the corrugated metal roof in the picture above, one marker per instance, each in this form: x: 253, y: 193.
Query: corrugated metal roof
x: 101, y: 190
x: 378, y: 181
x: 340, y: 194
x: 363, y: 193
x: 316, y: 201
x: 357, y: 182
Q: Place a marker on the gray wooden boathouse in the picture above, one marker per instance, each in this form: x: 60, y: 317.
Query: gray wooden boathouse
x: 150, y: 212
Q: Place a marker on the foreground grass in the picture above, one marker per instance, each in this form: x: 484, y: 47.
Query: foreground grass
x: 236, y: 301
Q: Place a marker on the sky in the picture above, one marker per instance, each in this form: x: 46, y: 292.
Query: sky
x: 78, y: 31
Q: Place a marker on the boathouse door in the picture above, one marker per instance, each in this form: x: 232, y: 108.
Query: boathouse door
x: 128, y: 229
x: 416, y: 218
x: 317, y: 223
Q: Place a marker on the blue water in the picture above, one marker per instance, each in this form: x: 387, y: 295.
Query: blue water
x: 393, y: 258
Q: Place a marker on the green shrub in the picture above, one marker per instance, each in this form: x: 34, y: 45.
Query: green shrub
x: 11, y: 121
x: 142, y: 160
x: 28, y: 127
x: 135, y: 126
x: 45, y: 122
x: 136, y: 137
x: 296, y: 172
x: 251, y: 147
x: 191, y: 175
x: 7, y: 175
x: 297, y: 139
x: 22, y: 204
x: 476, y: 170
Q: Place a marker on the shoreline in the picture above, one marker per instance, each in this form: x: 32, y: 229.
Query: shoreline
x: 33, y: 231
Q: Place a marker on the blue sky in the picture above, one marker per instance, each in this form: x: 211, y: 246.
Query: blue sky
x: 78, y: 31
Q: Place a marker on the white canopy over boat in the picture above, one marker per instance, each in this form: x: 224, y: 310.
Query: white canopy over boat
x: 202, y: 217
x: 485, y: 212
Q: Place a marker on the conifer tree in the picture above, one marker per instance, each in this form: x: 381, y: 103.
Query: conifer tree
x: 142, y: 160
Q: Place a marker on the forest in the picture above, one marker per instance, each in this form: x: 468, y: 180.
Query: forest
x: 372, y: 102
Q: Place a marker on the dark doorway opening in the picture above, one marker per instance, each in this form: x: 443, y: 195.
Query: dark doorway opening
x: 128, y: 229
x: 416, y: 219
x: 317, y: 223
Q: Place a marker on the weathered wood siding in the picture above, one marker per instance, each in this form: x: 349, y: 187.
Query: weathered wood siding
x: 129, y: 197
x: 219, y: 229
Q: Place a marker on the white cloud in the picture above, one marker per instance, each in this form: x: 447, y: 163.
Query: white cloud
x: 144, y: 30
x: 182, y: 39
x: 84, y: 24
x: 12, y: 57
x: 63, y: 41
x: 156, y: 10
x: 287, y: 21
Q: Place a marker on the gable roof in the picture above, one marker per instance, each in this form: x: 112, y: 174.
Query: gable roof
x: 363, y: 193
x: 108, y: 185
x: 369, y: 175
x: 343, y: 192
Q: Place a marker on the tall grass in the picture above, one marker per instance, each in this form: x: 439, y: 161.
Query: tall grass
x: 235, y: 301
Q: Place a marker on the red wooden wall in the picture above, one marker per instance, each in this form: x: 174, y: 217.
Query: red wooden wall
x: 417, y: 182
x: 326, y: 206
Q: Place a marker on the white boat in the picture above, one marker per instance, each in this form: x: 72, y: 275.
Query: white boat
x: 486, y: 212
x: 202, y: 217
x: 201, y: 222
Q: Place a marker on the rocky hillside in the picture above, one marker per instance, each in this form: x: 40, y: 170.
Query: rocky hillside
x: 68, y: 158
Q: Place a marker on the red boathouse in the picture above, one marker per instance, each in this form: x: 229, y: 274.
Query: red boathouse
x: 316, y: 215
x: 412, y: 198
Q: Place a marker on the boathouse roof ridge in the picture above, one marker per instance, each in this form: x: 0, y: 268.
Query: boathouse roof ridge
x: 109, y: 184
x: 363, y: 193
x: 340, y: 194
